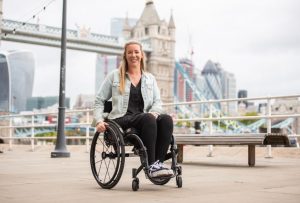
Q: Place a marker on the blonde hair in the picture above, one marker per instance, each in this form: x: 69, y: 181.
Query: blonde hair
x: 123, y: 68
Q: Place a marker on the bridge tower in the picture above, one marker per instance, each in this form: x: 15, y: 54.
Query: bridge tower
x: 161, y: 37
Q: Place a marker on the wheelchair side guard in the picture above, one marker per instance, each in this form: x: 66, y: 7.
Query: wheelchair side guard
x: 276, y: 139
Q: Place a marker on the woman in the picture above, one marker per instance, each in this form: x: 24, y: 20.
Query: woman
x: 136, y: 103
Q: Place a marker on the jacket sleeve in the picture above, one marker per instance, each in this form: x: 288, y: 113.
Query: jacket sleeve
x: 103, y: 94
x: 157, y: 103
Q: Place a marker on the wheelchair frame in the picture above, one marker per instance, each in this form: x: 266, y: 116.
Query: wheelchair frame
x: 107, y: 157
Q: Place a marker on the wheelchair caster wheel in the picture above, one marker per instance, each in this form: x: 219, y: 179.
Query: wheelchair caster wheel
x: 135, y: 184
x: 179, y: 181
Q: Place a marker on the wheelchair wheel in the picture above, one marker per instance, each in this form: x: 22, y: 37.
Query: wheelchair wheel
x: 107, y: 157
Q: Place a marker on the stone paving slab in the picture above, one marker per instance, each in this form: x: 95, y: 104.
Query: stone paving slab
x: 27, y: 176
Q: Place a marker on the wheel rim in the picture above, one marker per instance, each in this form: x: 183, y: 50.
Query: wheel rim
x: 108, y: 164
x: 107, y: 158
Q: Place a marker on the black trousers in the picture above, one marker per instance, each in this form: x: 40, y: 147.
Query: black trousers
x: 155, y: 133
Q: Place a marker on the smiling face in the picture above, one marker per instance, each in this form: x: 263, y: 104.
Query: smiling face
x: 133, y: 55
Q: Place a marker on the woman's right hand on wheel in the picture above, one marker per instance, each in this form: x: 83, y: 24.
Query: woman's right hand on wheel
x: 101, y: 126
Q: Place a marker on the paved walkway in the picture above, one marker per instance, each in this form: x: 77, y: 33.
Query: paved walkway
x: 35, y: 177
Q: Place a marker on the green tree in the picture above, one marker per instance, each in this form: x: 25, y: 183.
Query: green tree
x: 249, y: 121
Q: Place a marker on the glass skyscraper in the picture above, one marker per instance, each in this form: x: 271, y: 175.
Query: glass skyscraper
x: 220, y: 84
x: 117, y: 25
x: 16, y: 79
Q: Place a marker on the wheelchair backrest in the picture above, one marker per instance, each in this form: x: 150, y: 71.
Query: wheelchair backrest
x: 107, y: 106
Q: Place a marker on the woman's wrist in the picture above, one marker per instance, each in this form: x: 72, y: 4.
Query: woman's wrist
x: 155, y: 114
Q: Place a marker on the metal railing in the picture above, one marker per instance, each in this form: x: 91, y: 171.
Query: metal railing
x: 268, y: 116
x: 33, y: 125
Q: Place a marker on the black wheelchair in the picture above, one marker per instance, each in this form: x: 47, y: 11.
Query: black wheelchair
x: 107, y: 156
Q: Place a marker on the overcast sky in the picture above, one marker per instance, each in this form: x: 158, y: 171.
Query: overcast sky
x: 258, y: 41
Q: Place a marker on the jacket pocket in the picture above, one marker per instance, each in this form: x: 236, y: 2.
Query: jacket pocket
x: 149, y: 93
x: 115, y: 88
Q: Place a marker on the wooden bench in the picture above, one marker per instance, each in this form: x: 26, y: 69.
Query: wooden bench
x: 239, y: 139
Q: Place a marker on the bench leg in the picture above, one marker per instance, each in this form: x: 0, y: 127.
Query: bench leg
x: 180, y: 153
x: 251, y: 155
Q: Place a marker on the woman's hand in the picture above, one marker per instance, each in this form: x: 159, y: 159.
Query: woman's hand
x: 101, y: 126
x: 154, y: 114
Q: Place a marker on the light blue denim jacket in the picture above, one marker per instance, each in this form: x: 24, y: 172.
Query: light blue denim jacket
x: 110, y: 90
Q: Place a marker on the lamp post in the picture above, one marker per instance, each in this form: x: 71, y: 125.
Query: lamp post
x: 60, y: 148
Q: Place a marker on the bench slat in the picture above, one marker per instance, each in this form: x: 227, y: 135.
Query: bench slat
x: 219, y: 139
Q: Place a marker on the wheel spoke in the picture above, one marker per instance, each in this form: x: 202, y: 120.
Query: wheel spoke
x: 106, y: 170
x: 99, y: 167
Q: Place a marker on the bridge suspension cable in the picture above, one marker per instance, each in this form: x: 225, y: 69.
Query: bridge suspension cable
x: 24, y: 22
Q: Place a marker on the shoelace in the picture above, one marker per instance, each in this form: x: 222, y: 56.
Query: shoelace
x: 156, y: 165
x: 161, y: 165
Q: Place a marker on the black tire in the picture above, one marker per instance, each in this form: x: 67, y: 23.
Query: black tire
x: 179, y: 181
x: 135, y: 184
x: 107, y: 157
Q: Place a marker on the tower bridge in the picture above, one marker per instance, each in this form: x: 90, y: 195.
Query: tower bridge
x: 45, y: 35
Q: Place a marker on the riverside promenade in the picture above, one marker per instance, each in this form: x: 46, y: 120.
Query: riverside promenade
x: 27, y: 176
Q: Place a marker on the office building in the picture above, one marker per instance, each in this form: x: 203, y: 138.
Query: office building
x: 104, y: 65
x: 229, y: 91
x: 181, y: 89
x: 16, y: 79
x: 84, y: 101
x: 117, y: 25
x: 38, y: 103
x: 219, y: 84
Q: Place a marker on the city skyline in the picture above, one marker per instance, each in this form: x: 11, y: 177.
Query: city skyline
x: 241, y: 36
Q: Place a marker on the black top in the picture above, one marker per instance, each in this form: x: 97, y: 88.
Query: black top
x: 136, y: 102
